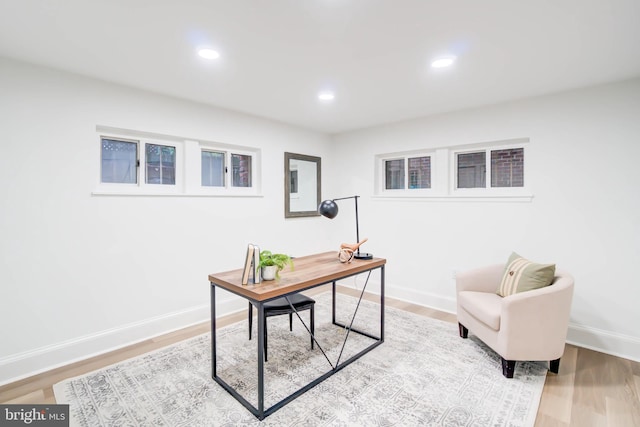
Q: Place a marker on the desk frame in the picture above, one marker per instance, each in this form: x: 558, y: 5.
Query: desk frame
x: 303, y: 278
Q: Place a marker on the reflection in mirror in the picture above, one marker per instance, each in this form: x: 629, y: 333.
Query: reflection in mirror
x: 302, y: 185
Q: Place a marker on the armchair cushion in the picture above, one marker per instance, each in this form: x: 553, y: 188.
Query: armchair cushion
x: 522, y: 275
x: 484, y: 306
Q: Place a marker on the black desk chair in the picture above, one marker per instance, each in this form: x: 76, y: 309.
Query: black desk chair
x: 281, y: 306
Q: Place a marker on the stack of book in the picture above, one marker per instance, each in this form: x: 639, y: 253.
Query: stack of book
x: 251, y: 265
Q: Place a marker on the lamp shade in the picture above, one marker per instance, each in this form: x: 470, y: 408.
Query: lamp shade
x: 328, y: 208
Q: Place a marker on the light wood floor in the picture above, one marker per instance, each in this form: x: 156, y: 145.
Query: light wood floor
x: 591, y: 389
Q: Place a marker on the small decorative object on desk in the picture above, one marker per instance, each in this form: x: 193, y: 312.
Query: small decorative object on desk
x: 347, y: 250
x: 251, y: 261
x: 271, y: 264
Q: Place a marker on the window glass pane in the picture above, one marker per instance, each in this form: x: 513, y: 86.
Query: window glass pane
x: 394, y: 174
x: 507, y: 168
x: 161, y: 164
x: 420, y: 172
x: 119, y: 161
x: 472, y: 168
x: 212, y: 169
x: 241, y: 170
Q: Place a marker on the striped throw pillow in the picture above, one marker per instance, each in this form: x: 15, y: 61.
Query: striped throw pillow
x: 522, y: 275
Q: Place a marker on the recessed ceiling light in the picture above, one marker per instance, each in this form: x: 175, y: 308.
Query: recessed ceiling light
x: 208, y: 53
x: 443, y: 62
x: 326, y: 96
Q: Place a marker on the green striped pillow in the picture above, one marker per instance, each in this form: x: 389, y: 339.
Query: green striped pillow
x: 522, y: 275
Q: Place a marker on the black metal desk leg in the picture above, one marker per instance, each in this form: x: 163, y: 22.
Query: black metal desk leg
x: 213, y: 331
x: 382, y: 303
x: 260, y: 340
x: 333, y: 303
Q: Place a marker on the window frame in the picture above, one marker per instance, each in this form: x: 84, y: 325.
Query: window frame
x: 188, y: 166
x: 488, y: 190
x: 179, y: 167
x: 225, y: 180
x: 228, y: 188
x: 444, y: 174
x: 137, y: 173
x: 381, y: 168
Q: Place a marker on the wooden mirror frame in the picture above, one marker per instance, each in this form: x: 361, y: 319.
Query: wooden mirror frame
x: 287, y: 185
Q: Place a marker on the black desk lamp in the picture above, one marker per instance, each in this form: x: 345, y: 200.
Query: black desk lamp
x: 329, y: 208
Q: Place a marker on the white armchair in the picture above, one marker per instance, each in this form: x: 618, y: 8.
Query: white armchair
x: 529, y: 325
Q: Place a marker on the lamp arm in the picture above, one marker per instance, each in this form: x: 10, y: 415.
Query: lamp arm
x: 345, y: 198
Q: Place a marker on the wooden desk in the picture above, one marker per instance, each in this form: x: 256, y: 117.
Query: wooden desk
x: 310, y: 271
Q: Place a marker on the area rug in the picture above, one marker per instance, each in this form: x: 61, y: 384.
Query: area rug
x: 424, y: 374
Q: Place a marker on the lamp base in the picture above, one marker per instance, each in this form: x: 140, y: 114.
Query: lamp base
x: 362, y: 255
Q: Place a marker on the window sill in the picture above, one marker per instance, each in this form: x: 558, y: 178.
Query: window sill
x: 143, y: 193
x: 523, y: 198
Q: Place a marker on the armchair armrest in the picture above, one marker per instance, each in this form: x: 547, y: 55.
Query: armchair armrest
x: 535, y: 322
x: 483, y: 279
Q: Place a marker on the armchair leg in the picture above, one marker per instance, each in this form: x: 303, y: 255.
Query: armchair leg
x: 508, y: 367
x: 554, y: 366
x: 464, y: 332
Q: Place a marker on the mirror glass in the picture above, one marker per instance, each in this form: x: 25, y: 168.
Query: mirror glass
x: 302, y: 185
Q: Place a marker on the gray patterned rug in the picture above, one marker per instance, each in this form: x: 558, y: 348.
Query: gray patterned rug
x: 422, y: 375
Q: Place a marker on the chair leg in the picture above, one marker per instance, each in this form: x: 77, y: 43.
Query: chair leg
x: 313, y: 326
x: 508, y: 367
x: 554, y: 366
x: 290, y: 322
x: 250, y: 319
x: 464, y: 332
x: 265, y: 339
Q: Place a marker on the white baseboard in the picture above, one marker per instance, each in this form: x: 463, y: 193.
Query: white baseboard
x: 603, y: 341
x: 22, y: 365
x: 600, y: 340
x: 425, y: 299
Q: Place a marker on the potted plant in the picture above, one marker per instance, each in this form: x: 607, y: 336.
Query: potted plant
x: 271, y: 264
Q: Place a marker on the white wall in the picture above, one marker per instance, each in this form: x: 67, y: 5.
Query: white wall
x: 585, y: 214
x: 82, y: 274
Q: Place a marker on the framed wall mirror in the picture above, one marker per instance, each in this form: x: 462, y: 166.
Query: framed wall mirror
x: 301, y: 185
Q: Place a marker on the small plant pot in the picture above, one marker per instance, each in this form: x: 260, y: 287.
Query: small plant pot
x: 269, y: 272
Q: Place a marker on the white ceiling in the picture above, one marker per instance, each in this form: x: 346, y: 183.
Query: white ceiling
x: 276, y: 55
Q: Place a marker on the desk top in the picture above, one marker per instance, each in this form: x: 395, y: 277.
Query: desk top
x: 309, y: 271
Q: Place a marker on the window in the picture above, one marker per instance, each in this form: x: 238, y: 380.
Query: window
x: 218, y: 178
x: 119, y: 161
x: 478, y: 171
x: 213, y: 169
x: 414, y: 171
x: 394, y: 172
x: 420, y: 172
x: 506, y: 168
x: 134, y: 162
x: 160, y: 164
x: 121, y: 158
x: 472, y: 168
x: 241, y: 166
